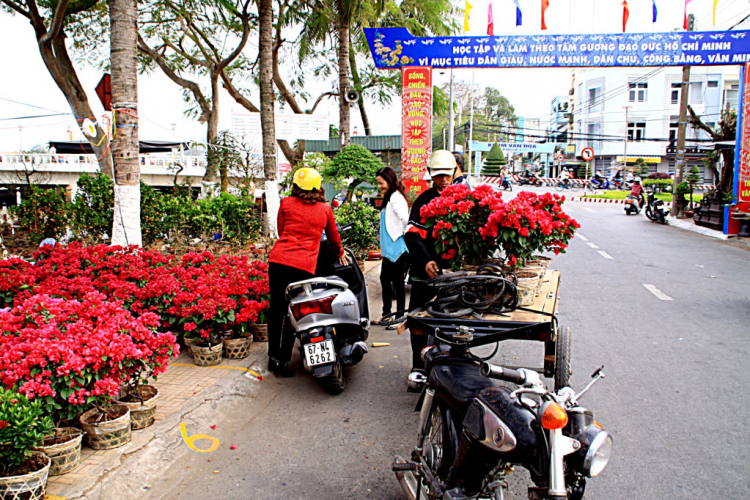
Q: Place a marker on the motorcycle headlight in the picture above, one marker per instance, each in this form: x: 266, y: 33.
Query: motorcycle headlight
x: 598, y: 454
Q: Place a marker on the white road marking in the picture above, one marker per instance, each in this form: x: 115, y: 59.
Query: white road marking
x: 661, y: 295
x: 592, y: 245
x: 605, y: 255
x: 583, y: 237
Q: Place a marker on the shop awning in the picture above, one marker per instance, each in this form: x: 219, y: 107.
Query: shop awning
x: 84, y: 147
x: 711, y: 146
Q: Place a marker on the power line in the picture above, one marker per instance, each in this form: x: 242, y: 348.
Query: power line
x: 35, y: 116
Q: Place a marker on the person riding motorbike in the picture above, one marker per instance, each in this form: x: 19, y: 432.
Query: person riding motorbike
x: 459, y: 177
x: 638, y: 192
x: 303, y: 217
x: 505, y: 177
x: 425, y: 261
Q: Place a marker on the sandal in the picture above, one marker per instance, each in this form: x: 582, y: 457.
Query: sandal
x: 377, y: 322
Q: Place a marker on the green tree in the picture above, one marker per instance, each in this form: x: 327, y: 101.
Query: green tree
x: 42, y: 212
x: 726, y: 130
x: 91, y: 212
x: 54, y: 22
x: 693, y: 178
x: 356, y: 163
x: 494, y: 162
x: 225, y: 154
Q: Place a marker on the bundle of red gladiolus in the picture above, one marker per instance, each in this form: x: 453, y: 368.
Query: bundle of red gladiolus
x: 469, y: 226
x: 80, y: 321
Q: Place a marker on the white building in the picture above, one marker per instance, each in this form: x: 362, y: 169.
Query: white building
x: 643, y: 103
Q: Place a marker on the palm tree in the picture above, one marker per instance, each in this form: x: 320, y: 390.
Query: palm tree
x: 126, y: 228
x: 265, y: 33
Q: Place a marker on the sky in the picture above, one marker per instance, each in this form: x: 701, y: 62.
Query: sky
x: 24, y: 78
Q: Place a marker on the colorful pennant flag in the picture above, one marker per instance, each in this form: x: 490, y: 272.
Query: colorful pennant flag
x: 545, y: 4
x: 519, y: 14
x: 467, y: 10
x: 490, y: 21
x: 685, y: 23
x: 625, y: 14
x: 715, y: 3
x: 654, y: 4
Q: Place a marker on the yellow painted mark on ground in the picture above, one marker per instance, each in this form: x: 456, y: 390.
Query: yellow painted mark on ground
x: 248, y: 370
x: 380, y: 344
x: 54, y: 497
x: 191, y: 439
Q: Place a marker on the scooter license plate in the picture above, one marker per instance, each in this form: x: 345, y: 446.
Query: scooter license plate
x: 320, y: 353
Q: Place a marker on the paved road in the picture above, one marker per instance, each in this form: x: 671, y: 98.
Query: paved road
x: 675, y: 395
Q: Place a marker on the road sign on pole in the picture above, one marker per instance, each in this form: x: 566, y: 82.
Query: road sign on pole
x: 104, y: 91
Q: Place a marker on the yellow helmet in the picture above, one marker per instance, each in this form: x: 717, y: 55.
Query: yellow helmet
x: 307, y: 179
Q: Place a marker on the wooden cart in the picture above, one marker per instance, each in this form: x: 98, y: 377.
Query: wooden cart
x: 537, y: 322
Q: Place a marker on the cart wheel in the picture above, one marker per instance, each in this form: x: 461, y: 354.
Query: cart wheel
x: 562, y: 358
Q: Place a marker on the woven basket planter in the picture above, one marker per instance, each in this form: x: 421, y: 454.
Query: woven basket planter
x: 527, y: 285
x: 106, y: 435
x: 207, y: 356
x: 65, y: 456
x: 188, y: 343
x: 542, y: 260
x: 30, y: 486
x: 259, y: 331
x: 237, y: 348
x: 538, y: 270
x: 142, y: 413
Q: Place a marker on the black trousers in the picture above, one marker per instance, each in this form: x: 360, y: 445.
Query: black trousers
x: 392, y: 276
x: 421, y: 294
x: 280, y: 344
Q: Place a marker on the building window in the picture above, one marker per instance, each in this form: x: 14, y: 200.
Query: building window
x: 713, y: 85
x: 673, y: 127
x: 676, y: 93
x: 732, y: 96
x: 638, y: 92
x: 636, y: 131
x: 595, y: 98
x: 592, y: 140
x: 696, y: 93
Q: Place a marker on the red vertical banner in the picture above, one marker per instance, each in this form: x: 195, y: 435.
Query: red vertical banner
x: 416, y: 126
x: 743, y: 187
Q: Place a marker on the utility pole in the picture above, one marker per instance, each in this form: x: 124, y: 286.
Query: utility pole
x: 451, y: 130
x: 625, y: 156
x: 471, y: 125
x: 682, y: 126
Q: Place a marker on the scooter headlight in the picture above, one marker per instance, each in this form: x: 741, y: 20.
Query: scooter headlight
x: 598, y: 454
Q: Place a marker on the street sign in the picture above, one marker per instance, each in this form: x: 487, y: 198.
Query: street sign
x: 587, y: 154
x: 104, y: 91
x: 560, y: 156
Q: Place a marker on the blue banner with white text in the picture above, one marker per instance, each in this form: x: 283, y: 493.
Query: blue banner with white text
x: 393, y: 48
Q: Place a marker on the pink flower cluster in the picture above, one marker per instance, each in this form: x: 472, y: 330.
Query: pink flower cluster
x: 469, y: 226
x: 80, y: 321
x: 78, y: 352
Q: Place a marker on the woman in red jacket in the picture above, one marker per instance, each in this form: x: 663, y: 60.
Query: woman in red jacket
x: 302, y: 219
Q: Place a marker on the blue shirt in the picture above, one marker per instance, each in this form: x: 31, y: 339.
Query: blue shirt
x: 390, y: 249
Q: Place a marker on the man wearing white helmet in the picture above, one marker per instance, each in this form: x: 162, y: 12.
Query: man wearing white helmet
x: 425, y: 262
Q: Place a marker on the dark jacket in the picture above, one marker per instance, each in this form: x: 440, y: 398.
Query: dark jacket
x: 419, y: 239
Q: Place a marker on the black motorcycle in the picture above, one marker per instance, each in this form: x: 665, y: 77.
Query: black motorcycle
x: 532, y: 180
x: 656, y: 210
x: 472, y: 432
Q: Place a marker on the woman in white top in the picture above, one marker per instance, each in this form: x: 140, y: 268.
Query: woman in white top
x: 394, y: 217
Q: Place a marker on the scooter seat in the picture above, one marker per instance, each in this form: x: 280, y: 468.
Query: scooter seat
x: 458, y: 383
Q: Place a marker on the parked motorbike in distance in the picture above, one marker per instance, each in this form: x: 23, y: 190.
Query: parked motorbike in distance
x: 656, y: 210
x: 599, y: 183
x: 567, y: 184
x: 634, y: 204
x: 532, y: 180
x: 330, y: 314
x: 472, y: 432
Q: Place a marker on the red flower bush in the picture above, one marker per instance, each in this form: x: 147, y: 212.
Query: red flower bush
x: 469, y: 226
x: 456, y: 217
x: 75, y: 353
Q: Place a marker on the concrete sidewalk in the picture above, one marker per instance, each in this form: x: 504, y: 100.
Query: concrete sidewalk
x: 188, y: 394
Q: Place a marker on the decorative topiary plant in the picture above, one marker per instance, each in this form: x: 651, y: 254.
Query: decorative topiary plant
x: 494, y: 162
x: 355, y: 162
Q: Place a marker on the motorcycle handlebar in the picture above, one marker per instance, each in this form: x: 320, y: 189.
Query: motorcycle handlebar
x: 499, y: 373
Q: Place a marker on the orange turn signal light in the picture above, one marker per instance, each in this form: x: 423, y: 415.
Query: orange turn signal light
x: 597, y: 424
x: 554, y: 416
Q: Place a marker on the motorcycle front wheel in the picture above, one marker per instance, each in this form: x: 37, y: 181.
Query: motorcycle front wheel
x: 438, y: 448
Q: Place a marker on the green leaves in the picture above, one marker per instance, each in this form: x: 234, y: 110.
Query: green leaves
x: 23, y: 426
